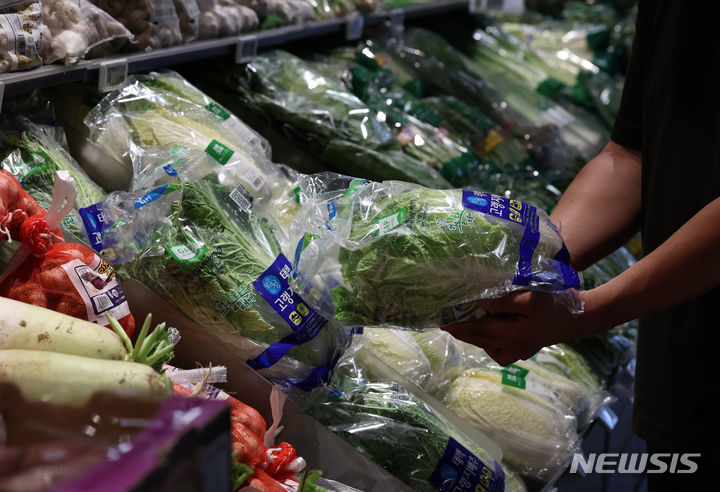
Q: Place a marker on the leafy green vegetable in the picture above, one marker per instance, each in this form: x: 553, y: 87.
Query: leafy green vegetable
x: 432, y: 254
x: 214, y: 288
x: 535, y: 436
x: 34, y: 162
x: 375, y: 417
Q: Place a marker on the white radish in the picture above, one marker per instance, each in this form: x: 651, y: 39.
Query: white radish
x: 70, y: 379
x: 24, y: 326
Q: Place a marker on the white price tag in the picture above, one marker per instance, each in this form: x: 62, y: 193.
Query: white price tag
x: 354, y: 27
x: 246, y: 49
x: 112, y: 74
x: 241, y: 197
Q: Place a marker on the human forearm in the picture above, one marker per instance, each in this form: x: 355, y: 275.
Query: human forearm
x: 686, y: 265
x: 600, y: 209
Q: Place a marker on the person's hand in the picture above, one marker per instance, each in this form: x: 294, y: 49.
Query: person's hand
x: 521, y: 323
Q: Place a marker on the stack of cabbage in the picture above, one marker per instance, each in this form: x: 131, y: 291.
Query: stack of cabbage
x: 533, y: 409
x: 164, y: 110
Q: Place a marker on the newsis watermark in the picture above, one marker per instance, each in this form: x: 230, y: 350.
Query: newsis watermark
x: 635, y: 463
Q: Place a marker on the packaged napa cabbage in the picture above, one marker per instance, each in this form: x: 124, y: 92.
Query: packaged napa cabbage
x: 221, y: 264
x: 33, y: 162
x: 565, y: 361
x: 163, y: 109
x: 429, y: 359
x: 399, y: 254
x: 537, y: 438
x: 405, y: 436
x: 373, y: 407
x: 269, y: 185
x: 317, y: 112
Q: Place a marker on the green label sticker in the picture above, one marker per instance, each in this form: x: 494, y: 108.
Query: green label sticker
x: 513, y: 380
x: 218, y: 110
x: 391, y: 221
x: 518, y: 371
x: 184, y: 255
x: 219, y: 152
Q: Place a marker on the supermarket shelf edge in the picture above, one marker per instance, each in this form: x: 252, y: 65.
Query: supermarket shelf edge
x: 53, y: 75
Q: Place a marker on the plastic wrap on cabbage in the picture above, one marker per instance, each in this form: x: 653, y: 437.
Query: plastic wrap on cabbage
x: 375, y: 417
x: 375, y: 414
x: 222, y: 266
x: 163, y: 109
x: 432, y: 359
x: 266, y: 184
x: 395, y: 253
x: 320, y: 109
x: 537, y: 438
x: 33, y: 163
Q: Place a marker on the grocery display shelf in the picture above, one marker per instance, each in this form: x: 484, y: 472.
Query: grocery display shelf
x: 111, y: 71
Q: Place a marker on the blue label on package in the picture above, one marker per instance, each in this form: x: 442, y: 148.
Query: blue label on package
x: 170, y: 169
x: 304, y: 321
x: 153, y: 195
x: 96, y: 222
x: 459, y: 470
x: 513, y: 211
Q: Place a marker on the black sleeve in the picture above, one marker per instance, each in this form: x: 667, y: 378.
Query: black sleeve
x: 627, y: 130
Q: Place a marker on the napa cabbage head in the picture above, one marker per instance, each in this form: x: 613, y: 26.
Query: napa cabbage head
x: 535, y: 436
x: 438, y: 255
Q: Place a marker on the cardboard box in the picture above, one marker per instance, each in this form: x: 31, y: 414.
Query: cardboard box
x: 318, y: 445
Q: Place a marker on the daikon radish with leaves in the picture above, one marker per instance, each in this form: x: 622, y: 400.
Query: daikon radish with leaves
x: 71, y: 379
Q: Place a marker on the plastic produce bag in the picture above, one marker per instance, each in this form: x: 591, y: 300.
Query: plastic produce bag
x: 269, y: 188
x: 396, y: 253
x: 537, y: 437
x: 47, y: 272
x: 74, y: 28
x: 20, y: 35
x: 327, y: 118
x: 373, y: 407
x: 163, y: 109
x: 33, y: 164
x: 154, y: 23
x: 222, y: 266
x: 220, y: 18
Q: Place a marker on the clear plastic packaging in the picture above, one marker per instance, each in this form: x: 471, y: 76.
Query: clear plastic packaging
x: 73, y: 29
x: 398, y: 254
x: 206, y: 248
x: 327, y: 119
x: 21, y: 31
x: 154, y: 23
x: 163, y: 109
x: 537, y: 437
x: 33, y: 163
